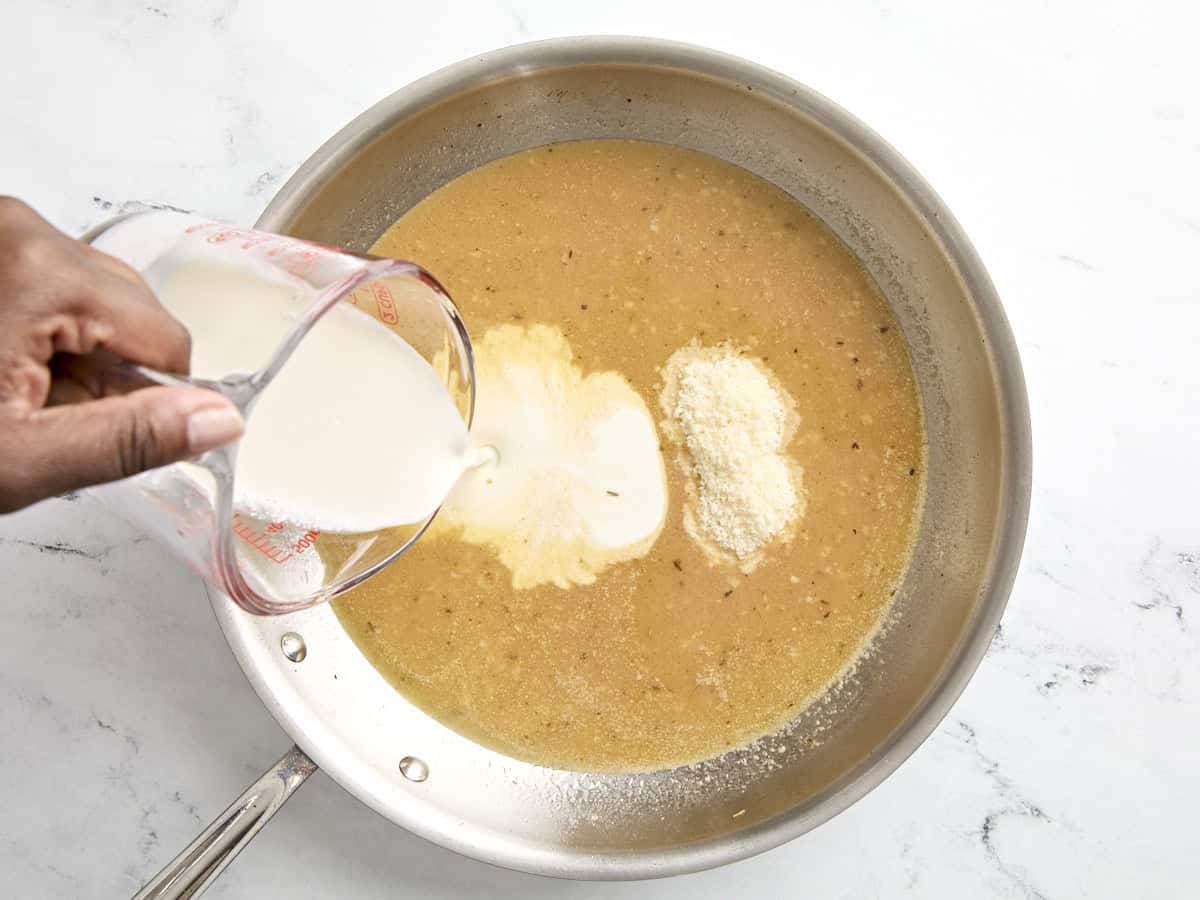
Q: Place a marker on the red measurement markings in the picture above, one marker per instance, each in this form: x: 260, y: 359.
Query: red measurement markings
x: 257, y: 239
x: 260, y: 540
x: 309, y: 538
x: 385, y: 302
x: 225, y: 235
x: 192, y: 229
x: 298, y: 256
x: 302, y: 257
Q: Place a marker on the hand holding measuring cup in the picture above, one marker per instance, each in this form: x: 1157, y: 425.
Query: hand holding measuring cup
x: 355, y: 379
x: 66, y: 312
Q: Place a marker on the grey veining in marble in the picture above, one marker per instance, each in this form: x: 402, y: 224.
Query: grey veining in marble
x: 1066, y: 137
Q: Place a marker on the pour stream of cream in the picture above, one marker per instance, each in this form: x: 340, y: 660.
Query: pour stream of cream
x: 579, y: 481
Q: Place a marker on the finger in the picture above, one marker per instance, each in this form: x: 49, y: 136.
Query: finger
x: 111, y: 264
x: 109, y: 303
x: 101, y: 373
x: 67, y: 390
x: 134, y: 324
x: 66, y: 447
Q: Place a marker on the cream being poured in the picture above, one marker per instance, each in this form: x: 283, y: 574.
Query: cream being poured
x: 579, y: 481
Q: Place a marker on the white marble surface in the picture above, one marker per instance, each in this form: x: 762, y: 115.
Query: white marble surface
x: 1065, y: 136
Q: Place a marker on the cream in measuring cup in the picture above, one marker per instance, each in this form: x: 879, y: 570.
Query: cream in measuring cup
x: 356, y: 379
x: 356, y: 433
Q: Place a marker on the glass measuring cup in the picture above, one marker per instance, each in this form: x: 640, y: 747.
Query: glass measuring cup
x: 271, y: 566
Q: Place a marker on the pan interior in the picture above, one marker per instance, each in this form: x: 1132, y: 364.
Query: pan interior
x: 350, y: 720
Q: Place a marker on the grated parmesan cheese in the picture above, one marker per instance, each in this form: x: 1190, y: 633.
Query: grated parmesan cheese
x: 734, y: 424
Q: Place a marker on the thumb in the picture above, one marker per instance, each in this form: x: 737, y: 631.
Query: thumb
x: 80, y: 444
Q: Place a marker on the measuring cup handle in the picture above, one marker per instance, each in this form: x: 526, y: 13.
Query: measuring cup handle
x: 198, y: 866
x: 238, y: 389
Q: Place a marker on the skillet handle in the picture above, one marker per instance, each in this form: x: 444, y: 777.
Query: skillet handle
x: 193, y: 870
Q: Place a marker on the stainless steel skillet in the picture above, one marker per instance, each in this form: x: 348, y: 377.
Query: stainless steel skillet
x: 344, y: 716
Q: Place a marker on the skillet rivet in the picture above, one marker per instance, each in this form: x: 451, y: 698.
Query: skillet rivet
x: 413, y: 769
x: 293, y: 647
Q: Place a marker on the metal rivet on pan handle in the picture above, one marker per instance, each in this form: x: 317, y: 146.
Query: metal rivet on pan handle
x: 414, y: 769
x: 293, y: 647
